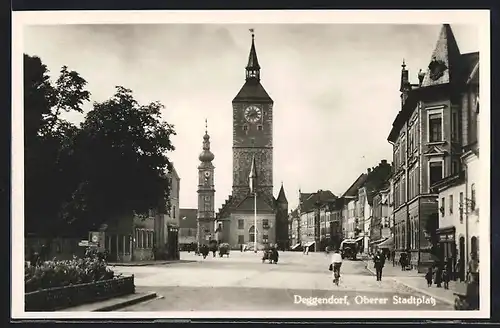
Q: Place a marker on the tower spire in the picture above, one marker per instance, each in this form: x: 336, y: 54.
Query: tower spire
x: 253, y: 67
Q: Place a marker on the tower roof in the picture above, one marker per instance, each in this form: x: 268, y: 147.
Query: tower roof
x: 281, y: 195
x: 252, y: 90
x: 253, y: 62
x: 206, y: 155
x: 444, y: 65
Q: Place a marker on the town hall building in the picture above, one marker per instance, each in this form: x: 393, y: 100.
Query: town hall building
x: 253, y: 152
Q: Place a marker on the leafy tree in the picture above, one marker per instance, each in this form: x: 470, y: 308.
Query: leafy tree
x: 121, y: 153
x: 49, y: 175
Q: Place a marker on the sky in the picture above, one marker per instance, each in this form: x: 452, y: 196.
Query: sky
x: 335, y: 88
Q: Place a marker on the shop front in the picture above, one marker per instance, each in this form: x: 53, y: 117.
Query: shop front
x: 447, y: 250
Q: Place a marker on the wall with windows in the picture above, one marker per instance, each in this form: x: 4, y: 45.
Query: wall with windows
x: 450, y: 205
x: 242, y: 229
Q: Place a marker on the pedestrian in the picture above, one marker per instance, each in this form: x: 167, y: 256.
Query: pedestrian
x: 402, y: 261
x: 445, y: 277
x: 379, y: 261
x: 473, y: 268
x: 438, y: 275
x: 428, y: 277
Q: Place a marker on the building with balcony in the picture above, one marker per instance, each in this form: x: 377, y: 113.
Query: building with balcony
x: 427, y: 145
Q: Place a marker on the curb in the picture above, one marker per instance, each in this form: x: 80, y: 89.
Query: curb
x: 119, y: 305
x: 132, y: 264
x: 421, y: 291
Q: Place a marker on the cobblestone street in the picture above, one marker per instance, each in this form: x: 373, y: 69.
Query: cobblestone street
x: 243, y: 282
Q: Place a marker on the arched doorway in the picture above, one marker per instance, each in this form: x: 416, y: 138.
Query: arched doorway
x: 461, y: 251
x: 251, y: 234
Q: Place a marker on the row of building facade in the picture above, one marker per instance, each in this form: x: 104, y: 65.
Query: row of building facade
x: 425, y: 203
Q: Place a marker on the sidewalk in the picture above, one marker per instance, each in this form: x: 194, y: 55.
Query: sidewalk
x: 147, y: 263
x: 416, y: 281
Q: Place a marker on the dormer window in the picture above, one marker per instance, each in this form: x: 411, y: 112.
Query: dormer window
x: 259, y: 127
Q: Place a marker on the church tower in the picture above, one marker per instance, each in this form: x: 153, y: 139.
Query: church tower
x: 251, y: 214
x: 252, y: 133
x: 206, y: 193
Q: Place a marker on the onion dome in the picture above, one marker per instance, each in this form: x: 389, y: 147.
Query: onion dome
x: 206, y: 155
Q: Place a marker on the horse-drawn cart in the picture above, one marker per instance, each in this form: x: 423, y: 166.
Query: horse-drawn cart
x: 224, y: 249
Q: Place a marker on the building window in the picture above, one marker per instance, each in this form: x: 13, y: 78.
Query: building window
x: 435, y: 172
x: 265, y: 238
x: 251, y: 233
x: 454, y: 167
x: 265, y: 223
x: 245, y: 127
x: 443, y: 207
x: 454, y: 126
x: 241, y: 224
x: 473, y: 196
x: 435, y: 127
x: 259, y: 127
x: 461, y: 207
x: 241, y: 239
x: 451, y: 204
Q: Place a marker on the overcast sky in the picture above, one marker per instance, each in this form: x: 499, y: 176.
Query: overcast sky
x: 335, y: 88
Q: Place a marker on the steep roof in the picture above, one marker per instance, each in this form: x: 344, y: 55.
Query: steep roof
x: 252, y: 90
x: 444, y: 65
x: 456, y: 70
x: 188, y: 218
x: 352, y: 191
x: 281, y: 196
x: 309, y: 201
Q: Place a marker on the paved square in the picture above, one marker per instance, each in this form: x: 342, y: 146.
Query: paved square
x: 297, y: 283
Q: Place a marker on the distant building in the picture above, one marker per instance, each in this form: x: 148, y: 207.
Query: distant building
x: 312, y: 208
x: 294, y: 232
x: 188, y: 227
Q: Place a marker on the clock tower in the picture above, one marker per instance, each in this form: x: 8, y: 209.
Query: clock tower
x: 252, y: 133
x: 206, y: 193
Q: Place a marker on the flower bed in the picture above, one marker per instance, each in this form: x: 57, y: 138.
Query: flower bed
x: 54, y: 285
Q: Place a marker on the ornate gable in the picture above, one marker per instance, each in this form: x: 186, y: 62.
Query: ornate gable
x: 435, y: 151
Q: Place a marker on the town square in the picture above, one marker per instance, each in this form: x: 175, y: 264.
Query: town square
x: 251, y: 167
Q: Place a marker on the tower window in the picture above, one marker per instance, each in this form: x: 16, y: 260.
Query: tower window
x: 259, y: 127
x: 252, y: 141
x: 245, y: 127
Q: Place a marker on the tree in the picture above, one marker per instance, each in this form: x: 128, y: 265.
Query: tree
x: 49, y: 175
x: 121, y: 152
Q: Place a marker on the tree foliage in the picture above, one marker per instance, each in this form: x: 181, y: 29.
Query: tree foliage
x: 49, y: 167
x: 122, y: 154
x: 77, y: 177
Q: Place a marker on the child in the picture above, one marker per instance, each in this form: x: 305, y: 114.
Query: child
x: 428, y: 277
x: 445, y: 278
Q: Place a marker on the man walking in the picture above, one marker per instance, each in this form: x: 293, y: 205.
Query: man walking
x: 379, y: 261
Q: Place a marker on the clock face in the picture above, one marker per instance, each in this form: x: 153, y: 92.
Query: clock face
x: 253, y: 114
x: 207, y: 198
x: 207, y: 174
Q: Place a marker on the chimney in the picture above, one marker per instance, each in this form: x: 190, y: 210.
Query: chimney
x: 369, y: 170
x: 383, y: 162
x: 421, y: 76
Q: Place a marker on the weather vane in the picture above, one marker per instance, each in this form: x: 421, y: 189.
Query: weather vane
x: 252, y: 31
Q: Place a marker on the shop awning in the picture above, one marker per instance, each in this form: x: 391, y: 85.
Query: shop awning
x: 378, y: 241
x: 389, y: 243
x: 296, y: 245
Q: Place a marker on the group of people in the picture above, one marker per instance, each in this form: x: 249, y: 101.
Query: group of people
x: 441, y: 273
